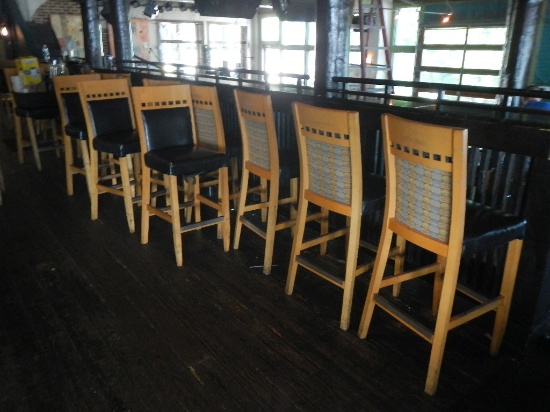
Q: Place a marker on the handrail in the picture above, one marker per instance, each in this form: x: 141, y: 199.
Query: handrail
x: 506, y: 106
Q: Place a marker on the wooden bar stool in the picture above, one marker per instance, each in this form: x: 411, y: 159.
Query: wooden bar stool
x: 167, y: 130
x: 426, y: 205
x: 109, y: 115
x: 331, y: 178
x: 73, y: 125
x: 262, y: 159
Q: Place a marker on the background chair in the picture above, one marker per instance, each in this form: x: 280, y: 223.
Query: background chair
x: 73, y: 125
x: 36, y: 108
x: 110, y: 125
x: 166, y: 124
x: 426, y: 205
x: 331, y: 177
x: 261, y: 158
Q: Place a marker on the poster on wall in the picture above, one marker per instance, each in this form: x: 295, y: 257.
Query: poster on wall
x: 68, y: 30
x: 140, y: 38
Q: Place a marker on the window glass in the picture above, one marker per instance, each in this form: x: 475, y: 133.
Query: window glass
x: 273, y: 61
x: 406, y: 27
x: 487, y: 35
x: 184, y: 53
x: 270, y: 29
x: 480, y: 80
x: 311, y: 34
x: 177, y: 31
x: 293, y: 33
x: 483, y: 59
x: 403, y: 66
x: 294, y: 61
x: 435, y: 77
x: 445, y: 36
x: 442, y: 58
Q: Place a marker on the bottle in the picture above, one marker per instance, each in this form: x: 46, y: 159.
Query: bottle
x: 45, y: 53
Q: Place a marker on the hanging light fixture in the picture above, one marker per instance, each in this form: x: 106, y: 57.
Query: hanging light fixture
x: 168, y: 6
x: 4, y: 31
x: 134, y: 4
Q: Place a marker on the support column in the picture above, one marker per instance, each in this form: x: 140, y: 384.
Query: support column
x: 92, y: 32
x: 332, y: 49
x: 121, y: 29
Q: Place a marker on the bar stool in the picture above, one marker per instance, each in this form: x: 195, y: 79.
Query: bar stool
x: 426, y: 205
x: 36, y: 107
x: 331, y: 178
x: 262, y: 159
x: 167, y: 130
x: 109, y: 116
x: 73, y: 125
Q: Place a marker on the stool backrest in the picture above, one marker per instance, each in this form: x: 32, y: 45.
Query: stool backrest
x: 164, y: 116
x: 329, y: 145
x: 258, y: 133
x: 107, y: 106
x: 160, y: 82
x: 68, y: 99
x: 208, y: 117
x: 426, y: 182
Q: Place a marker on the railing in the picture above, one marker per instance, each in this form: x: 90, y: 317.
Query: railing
x: 240, y: 77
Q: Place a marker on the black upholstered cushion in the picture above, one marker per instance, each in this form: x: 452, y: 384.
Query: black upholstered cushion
x: 39, y: 105
x: 374, y: 192
x: 120, y: 143
x: 76, y: 131
x: 289, y: 164
x: 111, y: 116
x: 168, y: 127
x: 76, y: 124
x: 486, y: 228
x: 185, y: 160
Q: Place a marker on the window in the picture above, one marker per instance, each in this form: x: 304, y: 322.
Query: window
x: 461, y: 55
x: 287, y: 47
x: 203, y: 43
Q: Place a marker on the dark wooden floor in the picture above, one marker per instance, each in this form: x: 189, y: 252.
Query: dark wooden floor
x: 91, y: 320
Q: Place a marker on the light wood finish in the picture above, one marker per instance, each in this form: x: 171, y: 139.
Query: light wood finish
x: 440, y: 150
x: 111, y: 76
x: 66, y: 85
x: 122, y: 177
x: 257, y: 124
x: 159, y: 82
x: 336, y: 134
x: 179, y: 96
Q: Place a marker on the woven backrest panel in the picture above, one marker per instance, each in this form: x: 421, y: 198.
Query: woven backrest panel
x: 329, y: 170
x: 423, y: 200
x: 206, y: 128
x: 258, y: 143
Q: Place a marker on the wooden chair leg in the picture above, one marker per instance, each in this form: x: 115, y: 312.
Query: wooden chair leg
x: 351, y: 265
x: 94, y: 179
x: 301, y: 219
x: 225, y: 200
x: 441, y: 330
x: 85, y: 154
x: 69, y: 161
x: 264, y: 197
x: 176, y: 220
x: 271, y: 222
x: 145, y: 201
x: 18, y: 138
x: 376, y: 280
x: 506, y: 292
x: 240, y: 208
x: 127, y: 191
x: 399, y: 264
x: 34, y: 144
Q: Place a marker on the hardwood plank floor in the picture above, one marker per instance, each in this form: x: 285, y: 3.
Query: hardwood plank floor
x: 92, y: 320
